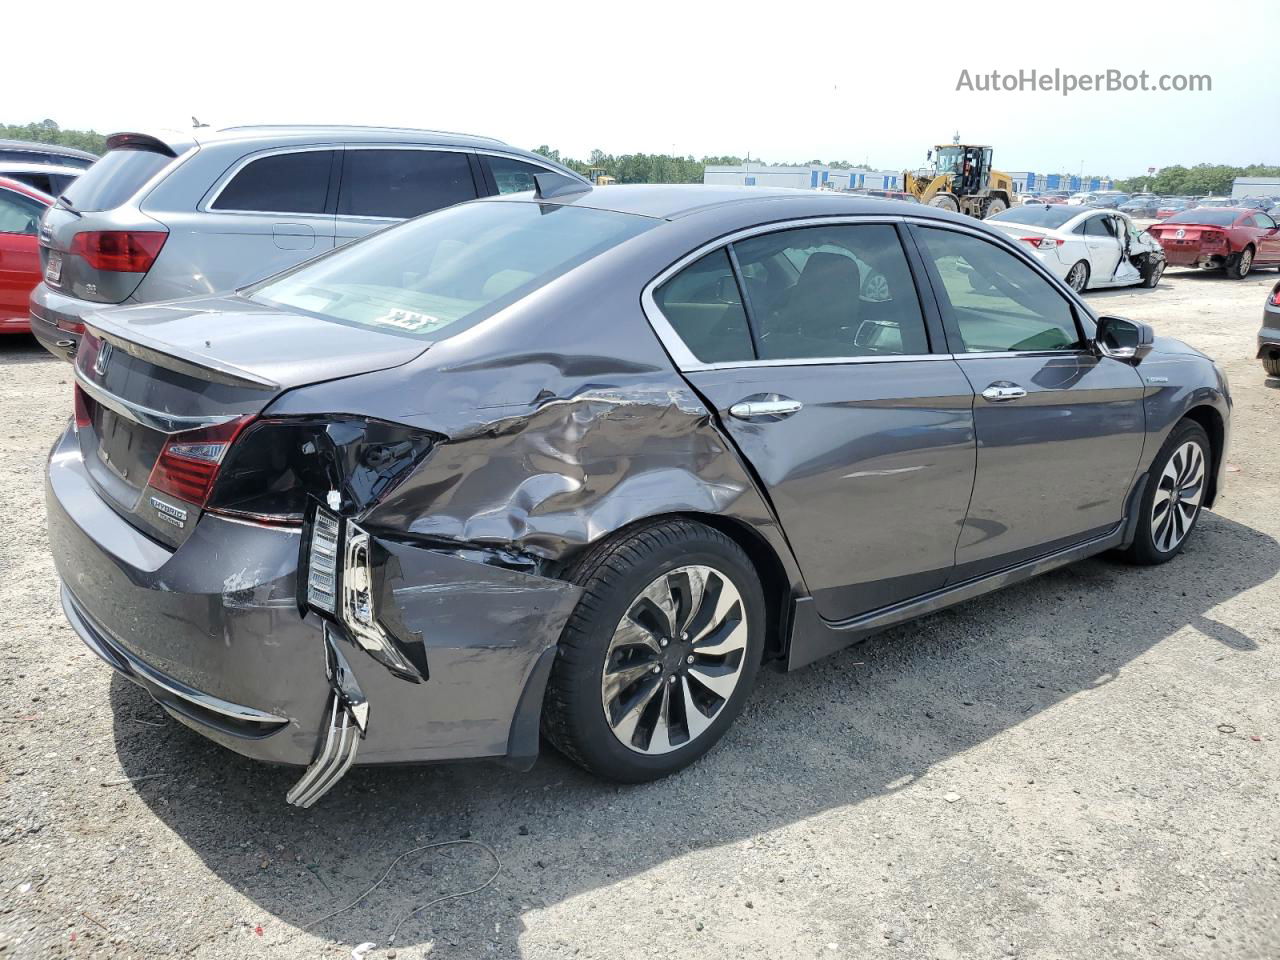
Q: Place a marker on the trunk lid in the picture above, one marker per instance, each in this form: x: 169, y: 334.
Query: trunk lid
x: 144, y: 374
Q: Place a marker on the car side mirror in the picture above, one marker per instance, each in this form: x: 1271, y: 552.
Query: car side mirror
x: 1122, y: 339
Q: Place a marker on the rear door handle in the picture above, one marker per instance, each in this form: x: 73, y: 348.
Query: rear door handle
x: 765, y: 407
x: 1002, y: 391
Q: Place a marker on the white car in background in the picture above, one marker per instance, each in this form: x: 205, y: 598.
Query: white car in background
x: 1088, y: 248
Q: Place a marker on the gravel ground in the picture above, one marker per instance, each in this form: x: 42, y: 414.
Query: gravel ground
x: 1084, y: 765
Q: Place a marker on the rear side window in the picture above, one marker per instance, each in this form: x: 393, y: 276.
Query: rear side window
x: 513, y: 176
x: 403, y: 183
x: 703, y: 305
x: 115, y: 178
x: 831, y: 292
x: 997, y: 301
x: 280, y: 183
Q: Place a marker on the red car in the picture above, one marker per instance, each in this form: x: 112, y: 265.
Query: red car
x: 20, y: 210
x: 1234, y: 239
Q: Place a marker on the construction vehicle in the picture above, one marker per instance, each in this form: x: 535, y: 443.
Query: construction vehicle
x: 961, y: 179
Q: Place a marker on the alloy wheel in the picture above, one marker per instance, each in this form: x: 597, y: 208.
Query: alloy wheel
x: 675, y: 659
x: 1076, y: 278
x: 1178, y: 496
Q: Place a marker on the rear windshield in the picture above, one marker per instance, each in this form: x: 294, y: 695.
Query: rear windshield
x: 1216, y: 218
x: 436, y: 275
x: 1038, y: 215
x: 114, y: 179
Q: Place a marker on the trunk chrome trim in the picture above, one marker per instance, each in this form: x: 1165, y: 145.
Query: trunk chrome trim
x: 147, y: 417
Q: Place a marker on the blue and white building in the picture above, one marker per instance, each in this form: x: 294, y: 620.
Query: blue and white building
x: 810, y: 177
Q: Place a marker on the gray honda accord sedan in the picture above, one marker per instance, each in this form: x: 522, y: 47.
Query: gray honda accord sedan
x: 577, y: 462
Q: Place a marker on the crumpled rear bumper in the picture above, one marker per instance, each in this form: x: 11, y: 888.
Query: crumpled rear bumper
x: 214, y: 632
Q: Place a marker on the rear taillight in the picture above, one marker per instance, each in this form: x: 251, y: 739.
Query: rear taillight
x: 1212, y: 238
x: 277, y: 467
x: 83, y: 418
x: 1042, y: 243
x: 119, y: 251
x: 1275, y: 296
x: 188, y: 465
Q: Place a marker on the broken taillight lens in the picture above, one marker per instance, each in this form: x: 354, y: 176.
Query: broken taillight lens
x: 1042, y: 243
x: 277, y: 465
x: 1213, y: 238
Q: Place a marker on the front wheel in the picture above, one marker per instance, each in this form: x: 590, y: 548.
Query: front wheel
x: 944, y: 201
x: 1238, y: 267
x: 660, y: 654
x: 1175, y: 493
x: 1152, y: 271
x: 1078, y: 276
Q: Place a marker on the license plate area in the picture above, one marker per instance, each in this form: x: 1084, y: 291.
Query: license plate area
x: 53, y: 269
x: 128, y: 449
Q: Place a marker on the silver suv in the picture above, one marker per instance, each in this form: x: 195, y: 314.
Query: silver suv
x: 169, y: 215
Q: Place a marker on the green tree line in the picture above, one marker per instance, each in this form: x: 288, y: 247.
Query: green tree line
x: 48, y: 131
x: 1201, y: 180
x: 662, y: 167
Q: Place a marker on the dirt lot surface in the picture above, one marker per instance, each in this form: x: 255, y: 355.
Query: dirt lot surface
x: 1083, y: 766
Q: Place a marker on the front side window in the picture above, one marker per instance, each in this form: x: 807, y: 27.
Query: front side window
x: 1097, y: 227
x: 703, y: 305
x: 438, y: 275
x: 513, y: 176
x: 18, y: 214
x: 280, y: 183
x: 403, y: 183
x: 998, y: 302
x: 831, y: 291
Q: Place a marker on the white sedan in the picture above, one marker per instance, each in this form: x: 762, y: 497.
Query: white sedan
x: 1087, y: 248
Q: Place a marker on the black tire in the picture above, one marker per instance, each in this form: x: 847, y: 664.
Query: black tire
x: 1271, y: 364
x: 1145, y: 549
x: 1239, y: 265
x: 1152, y: 271
x: 612, y: 577
x: 1078, y: 276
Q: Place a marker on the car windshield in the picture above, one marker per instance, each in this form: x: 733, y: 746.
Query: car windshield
x: 1037, y: 215
x: 1215, y: 218
x: 449, y: 269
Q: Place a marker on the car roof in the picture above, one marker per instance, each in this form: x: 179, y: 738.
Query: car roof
x: 36, y: 145
x: 675, y: 201
x: 17, y: 186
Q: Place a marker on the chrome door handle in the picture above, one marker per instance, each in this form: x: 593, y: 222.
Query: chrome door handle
x: 758, y: 409
x: 1002, y: 392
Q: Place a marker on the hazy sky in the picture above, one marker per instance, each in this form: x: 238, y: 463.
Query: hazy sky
x: 782, y: 81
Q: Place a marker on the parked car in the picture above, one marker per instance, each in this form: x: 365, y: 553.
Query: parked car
x: 1226, y: 238
x: 1216, y: 202
x: 1269, y: 335
x: 20, y: 210
x: 1081, y: 199
x: 1106, y: 200
x: 1145, y: 207
x: 581, y: 461
x: 1253, y: 203
x: 166, y: 215
x: 45, y: 177
x: 1171, y: 205
x: 1086, y: 247
x: 30, y: 151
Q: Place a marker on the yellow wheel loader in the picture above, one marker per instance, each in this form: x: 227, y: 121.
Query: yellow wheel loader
x: 961, y: 179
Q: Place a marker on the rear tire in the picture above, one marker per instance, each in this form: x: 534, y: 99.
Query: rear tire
x: 1078, y: 276
x: 1238, y: 266
x: 660, y: 654
x: 1174, y: 497
x: 993, y: 206
x: 1271, y: 364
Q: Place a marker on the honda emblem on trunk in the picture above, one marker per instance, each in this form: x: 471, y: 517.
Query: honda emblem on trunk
x: 104, y: 357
